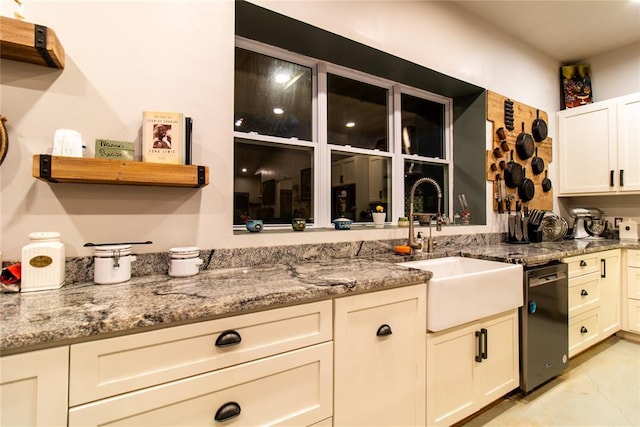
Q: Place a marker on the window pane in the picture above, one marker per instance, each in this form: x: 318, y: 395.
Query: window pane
x: 272, y: 97
x: 272, y: 182
x: 426, y: 196
x: 422, y: 127
x: 356, y: 113
x: 359, y: 183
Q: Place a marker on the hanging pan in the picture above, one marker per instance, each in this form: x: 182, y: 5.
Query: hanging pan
x: 527, y: 190
x: 513, y: 175
x: 537, y: 164
x: 524, y: 144
x: 539, y: 128
x: 546, y: 182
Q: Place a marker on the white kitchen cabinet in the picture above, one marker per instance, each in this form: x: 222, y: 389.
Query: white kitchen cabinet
x: 379, y: 363
x: 470, y: 366
x: 594, y: 298
x: 33, y: 388
x: 631, y: 292
x: 610, y: 293
x: 599, y: 148
x: 292, y: 388
x: 183, y: 374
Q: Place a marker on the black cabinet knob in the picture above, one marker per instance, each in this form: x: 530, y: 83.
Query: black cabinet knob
x: 583, y: 263
x: 584, y: 293
x: 384, y: 330
x: 583, y: 330
x: 227, y: 411
x: 228, y: 338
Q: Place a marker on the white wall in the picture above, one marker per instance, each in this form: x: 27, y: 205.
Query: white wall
x: 615, y: 73
x: 126, y: 57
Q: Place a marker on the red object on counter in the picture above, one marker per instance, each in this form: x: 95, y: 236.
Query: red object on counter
x: 11, y: 274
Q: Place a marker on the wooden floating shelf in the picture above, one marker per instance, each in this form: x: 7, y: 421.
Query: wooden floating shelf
x: 106, y: 171
x: 32, y: 43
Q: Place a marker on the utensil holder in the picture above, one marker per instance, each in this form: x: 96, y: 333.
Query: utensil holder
x: 535, y: 234
x: 516, y: 233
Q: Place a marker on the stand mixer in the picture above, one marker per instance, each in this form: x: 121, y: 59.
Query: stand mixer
x: 588, y: 223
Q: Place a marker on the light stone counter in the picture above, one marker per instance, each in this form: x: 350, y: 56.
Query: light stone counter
x: 80, y: 312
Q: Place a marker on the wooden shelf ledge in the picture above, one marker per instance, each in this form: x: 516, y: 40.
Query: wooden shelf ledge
x: 26, y: 42
x: 106, y: 171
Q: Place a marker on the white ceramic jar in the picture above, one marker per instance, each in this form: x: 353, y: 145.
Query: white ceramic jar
x: 43, y: 262
x: 112, y: 264
x: 184, y: 261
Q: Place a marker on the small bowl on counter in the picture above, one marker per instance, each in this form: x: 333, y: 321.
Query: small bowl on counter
x: 342, y: 223
x: 255, y: 225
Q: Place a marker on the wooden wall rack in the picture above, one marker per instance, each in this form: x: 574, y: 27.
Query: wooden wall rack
x: 106, y: 171
x: 26, y: 42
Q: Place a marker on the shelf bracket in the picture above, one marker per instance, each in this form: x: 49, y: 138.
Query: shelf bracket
x: 202, y: 176
x: 40, y: 43
x: 45, y: 167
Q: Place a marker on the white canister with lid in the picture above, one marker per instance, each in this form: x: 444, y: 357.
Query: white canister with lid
x: 184, y: 261
x: 112, y: 264
x: 43, y: 262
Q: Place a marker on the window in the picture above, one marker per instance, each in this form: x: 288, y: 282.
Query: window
x: 319, y: 141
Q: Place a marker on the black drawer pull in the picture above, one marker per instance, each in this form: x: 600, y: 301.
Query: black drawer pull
x: 621, y: 177
x: 479, y: 348
x: 583, y: 330
x: 228, y: 338
x: 611, y: 183
x: 227, y: 411
x: 584, y: 293
x: 485, y: 336
x: 583, y: 263
x: 384, y: 330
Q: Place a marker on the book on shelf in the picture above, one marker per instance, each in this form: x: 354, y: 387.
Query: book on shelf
x: 188, y: 127
x: 163, y: 137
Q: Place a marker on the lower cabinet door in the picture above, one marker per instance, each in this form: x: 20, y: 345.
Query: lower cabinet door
x: 379, y: 341
x: 499, y: 371
x: 33, y: 388
x: 583, y: 331
x: 451, y: 391
x: 633, y: 315
x: 293, y: 388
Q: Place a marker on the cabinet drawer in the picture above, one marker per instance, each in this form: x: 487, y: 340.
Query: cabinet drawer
x: 294, y: 388
x: 633, y: 258
x: 633, y: 315
x: 118, y: 365
x: 583, y: 264
x: 583, y: 331
x: 633, y: 282
x: 584, y: 293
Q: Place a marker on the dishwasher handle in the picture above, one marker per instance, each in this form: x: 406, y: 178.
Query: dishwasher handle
x: 548, y: 278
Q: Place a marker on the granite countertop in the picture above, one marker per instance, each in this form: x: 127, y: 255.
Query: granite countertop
x: 85, y: 311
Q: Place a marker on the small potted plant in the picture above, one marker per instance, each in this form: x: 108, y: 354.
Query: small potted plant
x: 378, y: 217
x: 403, y: 221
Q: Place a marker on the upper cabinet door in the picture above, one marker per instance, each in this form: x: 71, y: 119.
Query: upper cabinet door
x: 629, y: 143
x: 587, y: 149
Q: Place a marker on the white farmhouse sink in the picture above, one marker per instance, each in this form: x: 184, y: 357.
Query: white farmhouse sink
x: 466, y: 289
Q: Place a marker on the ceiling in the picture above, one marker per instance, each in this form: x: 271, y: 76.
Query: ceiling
x: 570, y: 30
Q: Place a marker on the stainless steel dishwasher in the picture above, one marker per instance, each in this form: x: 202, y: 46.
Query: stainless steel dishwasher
x: 544, y: 318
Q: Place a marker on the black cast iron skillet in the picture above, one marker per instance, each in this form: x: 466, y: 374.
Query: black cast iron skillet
x: 539, y: 128
x: 546, y: 182
x: 513, y: 175
x: 537, y: 164
x: 524, y: 144
x: 527, y: 190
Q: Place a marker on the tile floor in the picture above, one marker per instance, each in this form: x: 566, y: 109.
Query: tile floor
x: 600, y: 388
